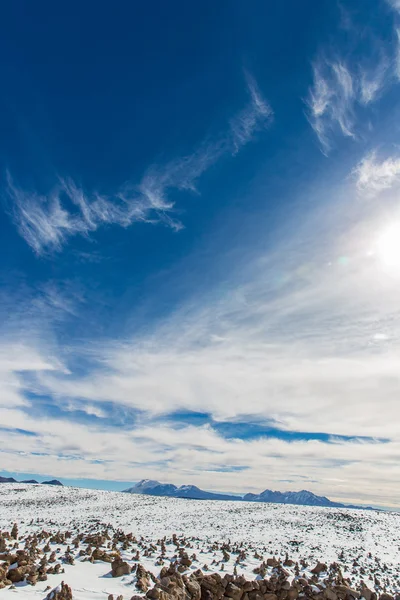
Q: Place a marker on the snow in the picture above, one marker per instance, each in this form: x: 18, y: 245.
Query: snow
x: 312, y: 533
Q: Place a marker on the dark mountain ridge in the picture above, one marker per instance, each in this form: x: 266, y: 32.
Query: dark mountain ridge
x: 12, y: 480
x: 301, y: 498
x: 155, y: 488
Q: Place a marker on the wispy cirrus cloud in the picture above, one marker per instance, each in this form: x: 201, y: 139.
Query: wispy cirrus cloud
x: 336, y: 92
x: 372, y: 80
x: 307, y: 338
x: 254, y: 116
x: 373, y: 175
x: 395, y: 4
x: 331, y: 99
x: 397, y: 57
x: 46, y: 223
x: 345, y: 84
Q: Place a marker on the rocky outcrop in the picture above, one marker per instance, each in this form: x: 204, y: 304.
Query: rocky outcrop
x: 119, y: 567
x: 104, y: 556
x: 29, y: 558
x: 61, y: 592
x: 171, y: 585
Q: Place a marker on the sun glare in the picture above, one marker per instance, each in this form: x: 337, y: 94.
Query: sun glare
x: 388, y: 246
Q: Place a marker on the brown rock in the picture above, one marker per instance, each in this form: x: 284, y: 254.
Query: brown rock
x: 367, y: 593
x: 165, y: 581
x: 288, y: 562
x: 98, y: 554
x: 61, y: 592
x: 14, y: 531
x: 255, y: 595
x: 343, y: 591
x: 119, y: 567
x: 185, y: 561
x: 194, y: 589
x: 212, y: 587
x: 3, y: 573
x: 143, y: 584
x: 32, y: 577
x: 16, y: 575
x: 182, y: 568
x: 272, y: 562
x: 319, y: 568
x: 234, y: 592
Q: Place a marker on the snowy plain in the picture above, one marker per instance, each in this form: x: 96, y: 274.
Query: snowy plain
x: 369, y: 538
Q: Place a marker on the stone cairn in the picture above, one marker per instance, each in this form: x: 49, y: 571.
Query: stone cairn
x: 36, y: 560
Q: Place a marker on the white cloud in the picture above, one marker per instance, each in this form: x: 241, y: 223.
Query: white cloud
x: 181, y: 174
x: 338, y: 91
x: 256, y: 115
x: 297, y: 340
x: 46, y: 223
x: 330, y: 101
x: 397, y: 56
x: 395, y: 4
x: 346, y: 84
x: 16, y: 358
x: 372, y: 81
x: 351, y: 471
x: 374, y: 175
x: 303, y: 350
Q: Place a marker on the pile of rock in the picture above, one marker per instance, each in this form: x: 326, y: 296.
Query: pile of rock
x: 18, y: 565
x: 31, y: 558
x: 172, y: 585
x: 61, y: 592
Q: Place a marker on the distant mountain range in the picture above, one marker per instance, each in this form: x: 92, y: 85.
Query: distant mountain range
x: 303, y: 498
x: 155, y: 488
x: 12, y: 480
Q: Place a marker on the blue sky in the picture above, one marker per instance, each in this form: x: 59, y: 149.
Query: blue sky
x: 200, y: 244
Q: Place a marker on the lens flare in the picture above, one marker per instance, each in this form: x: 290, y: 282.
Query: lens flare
x: 388, y: 247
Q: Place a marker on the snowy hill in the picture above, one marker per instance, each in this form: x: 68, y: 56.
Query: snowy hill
x: 362, y: 543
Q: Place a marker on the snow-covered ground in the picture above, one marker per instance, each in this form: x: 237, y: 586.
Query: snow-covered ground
x: 370, y: 539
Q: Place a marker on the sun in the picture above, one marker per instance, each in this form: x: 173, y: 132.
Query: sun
x: 388, y: 246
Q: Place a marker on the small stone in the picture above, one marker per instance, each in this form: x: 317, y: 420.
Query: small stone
x: 319, y: 568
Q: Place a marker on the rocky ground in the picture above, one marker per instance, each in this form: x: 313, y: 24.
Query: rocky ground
x: 104, y: 544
